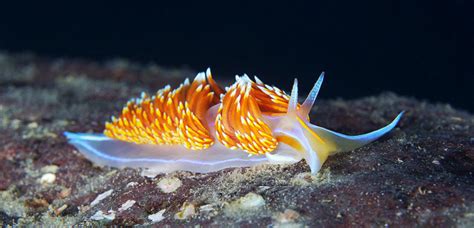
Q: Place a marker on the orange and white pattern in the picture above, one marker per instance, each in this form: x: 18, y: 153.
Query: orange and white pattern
x: 179, y: 116
x: 170, y: 116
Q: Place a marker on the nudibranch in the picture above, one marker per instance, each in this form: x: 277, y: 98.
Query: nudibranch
x: 200, y: 127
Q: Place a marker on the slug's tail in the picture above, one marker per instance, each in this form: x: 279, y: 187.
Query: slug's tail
x: 340, y: 142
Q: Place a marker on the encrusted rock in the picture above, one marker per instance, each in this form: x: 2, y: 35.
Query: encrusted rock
x: 420, y: 174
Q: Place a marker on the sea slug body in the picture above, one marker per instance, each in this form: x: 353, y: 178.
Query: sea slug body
x: 200, y: 127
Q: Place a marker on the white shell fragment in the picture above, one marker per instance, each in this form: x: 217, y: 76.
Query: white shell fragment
x: 127, y: 205
x: 99, y: 215
x: 157, y: 217
x: 102, y: 196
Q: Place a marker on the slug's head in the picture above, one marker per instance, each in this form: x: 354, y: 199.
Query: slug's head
x: 263, y: 120
x: 294, y: 130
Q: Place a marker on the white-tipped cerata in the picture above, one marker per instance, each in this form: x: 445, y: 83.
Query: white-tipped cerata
x: 293, y: 99
x: 313, y: 94
x: 200, y: 77
x: 258, y: 81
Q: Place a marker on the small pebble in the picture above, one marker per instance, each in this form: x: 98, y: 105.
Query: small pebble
x: 47, y: 178
x: 131, y: 184
x: 169, y: 184
x: 32, y: 125
x: 249, y: 202
x: 287, y: 216
x: 186, y: 211
x: 15, y: 124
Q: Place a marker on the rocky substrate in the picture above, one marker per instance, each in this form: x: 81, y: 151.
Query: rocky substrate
x: 420, y: 174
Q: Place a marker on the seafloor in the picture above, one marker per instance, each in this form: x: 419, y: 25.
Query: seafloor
x: 420, y: 174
